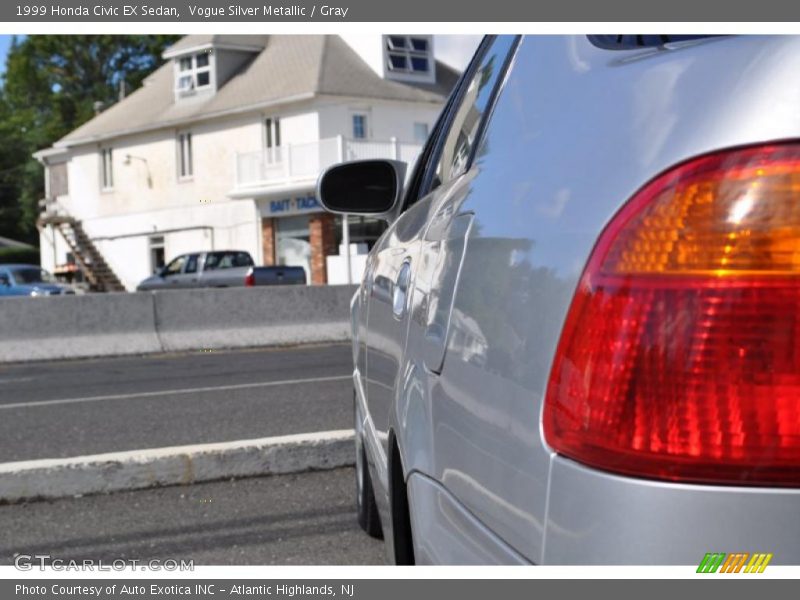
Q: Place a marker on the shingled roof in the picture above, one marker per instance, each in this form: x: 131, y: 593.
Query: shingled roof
x: 289, y: 68
x: 190, y: 42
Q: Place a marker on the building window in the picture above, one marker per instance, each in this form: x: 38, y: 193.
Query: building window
x: 272, y: 139
x: 185, y: 165
x: 359, y: 127
x: 57, y: 180
x: 363, y: 230
x: 420, y: 132
x: 106, y: 169
x: 408, y: 54
x: 194, y: 72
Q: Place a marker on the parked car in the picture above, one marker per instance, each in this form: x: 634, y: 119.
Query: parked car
x: 578, y: 341
x: 30, y: 280
x: 219, y: 269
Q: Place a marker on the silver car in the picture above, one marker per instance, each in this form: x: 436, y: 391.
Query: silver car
x: 215, y: 269
x: 578, y: 341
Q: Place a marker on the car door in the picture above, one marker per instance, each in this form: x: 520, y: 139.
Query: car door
x: 383, y: 325
x: 173, y: 275
x: 470, y: 418
x: 189, y: 277
x: 387, y: 281
x: 514, y: 283
x: 403, y: 250
x: 225, y: 269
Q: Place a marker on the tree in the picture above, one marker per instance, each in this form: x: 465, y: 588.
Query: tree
x: 50, y: 87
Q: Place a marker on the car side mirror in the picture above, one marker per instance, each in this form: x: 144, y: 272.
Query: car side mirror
x: 365, y: 187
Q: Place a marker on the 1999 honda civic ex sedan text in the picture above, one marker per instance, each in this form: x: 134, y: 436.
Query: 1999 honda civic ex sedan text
x: 578, y: 341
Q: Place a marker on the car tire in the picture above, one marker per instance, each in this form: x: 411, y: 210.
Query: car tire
x: 367, y: 509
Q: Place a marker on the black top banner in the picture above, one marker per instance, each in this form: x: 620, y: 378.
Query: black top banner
x: 32, y: 11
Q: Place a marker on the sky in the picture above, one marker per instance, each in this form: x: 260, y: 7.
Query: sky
x: 456, y: 50
x: 5, y: 43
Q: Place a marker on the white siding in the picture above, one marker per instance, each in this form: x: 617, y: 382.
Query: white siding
x: 122, y: 220
x: 385, y: 120
x: 298, y: 127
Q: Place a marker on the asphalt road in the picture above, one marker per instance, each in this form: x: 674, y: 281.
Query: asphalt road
x: 75, y: 408
x: 307, y: 518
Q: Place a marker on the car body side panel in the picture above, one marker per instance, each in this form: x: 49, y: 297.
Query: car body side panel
x: 446, y: 533
x: 386, y: 332
x: 380, y: 347
x: 413, y: 419
x: 597, y: 518
x: 576, y: 131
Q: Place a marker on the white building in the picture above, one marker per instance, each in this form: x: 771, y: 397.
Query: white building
x: 221, y: 148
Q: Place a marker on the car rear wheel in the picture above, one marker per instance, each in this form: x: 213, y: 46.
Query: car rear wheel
x: 368, y: 517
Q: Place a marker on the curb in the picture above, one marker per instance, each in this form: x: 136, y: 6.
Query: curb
x: 176, y: 465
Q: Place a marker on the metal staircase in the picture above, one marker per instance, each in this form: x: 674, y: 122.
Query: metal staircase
x: 88, y: 258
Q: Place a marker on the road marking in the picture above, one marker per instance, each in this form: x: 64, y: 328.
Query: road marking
x: 200, y: 390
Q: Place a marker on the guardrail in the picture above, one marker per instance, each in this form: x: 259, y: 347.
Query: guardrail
x: 123, y: 324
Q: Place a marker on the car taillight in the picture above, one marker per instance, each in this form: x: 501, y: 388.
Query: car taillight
x: 680, y: 355
x: 250, y: 279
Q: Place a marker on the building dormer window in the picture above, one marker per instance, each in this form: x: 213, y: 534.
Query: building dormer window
x: 408, y: 54
x: 194, y: 72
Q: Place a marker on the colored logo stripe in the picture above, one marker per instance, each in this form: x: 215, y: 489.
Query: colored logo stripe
x: 758, y: 563
x: 733, y: 563
x: 711, y: 562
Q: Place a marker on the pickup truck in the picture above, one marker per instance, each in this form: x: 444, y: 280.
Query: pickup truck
x: 281, y: 275
x: 219, y: 269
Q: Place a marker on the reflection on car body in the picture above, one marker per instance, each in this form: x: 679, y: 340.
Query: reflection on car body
x: 593, y: 359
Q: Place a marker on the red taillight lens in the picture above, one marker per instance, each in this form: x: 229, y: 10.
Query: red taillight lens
x: 680, y: 356
x: 250, y: 279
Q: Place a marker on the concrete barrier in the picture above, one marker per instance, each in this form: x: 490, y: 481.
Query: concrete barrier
x: 76, y: 326
x: 242, y: 317
x: 119, y: 324
x: 176, y: 465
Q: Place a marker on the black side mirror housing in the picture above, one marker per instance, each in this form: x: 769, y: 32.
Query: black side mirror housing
x: 365, y: 187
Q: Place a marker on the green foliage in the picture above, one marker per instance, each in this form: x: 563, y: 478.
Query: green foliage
x: 50, y: 87
x: 28, y: 256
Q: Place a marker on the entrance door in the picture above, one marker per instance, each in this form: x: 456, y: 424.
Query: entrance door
x: 292, y: 243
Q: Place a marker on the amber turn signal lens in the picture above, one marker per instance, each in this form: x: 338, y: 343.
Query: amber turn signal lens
x: 726, y: 214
